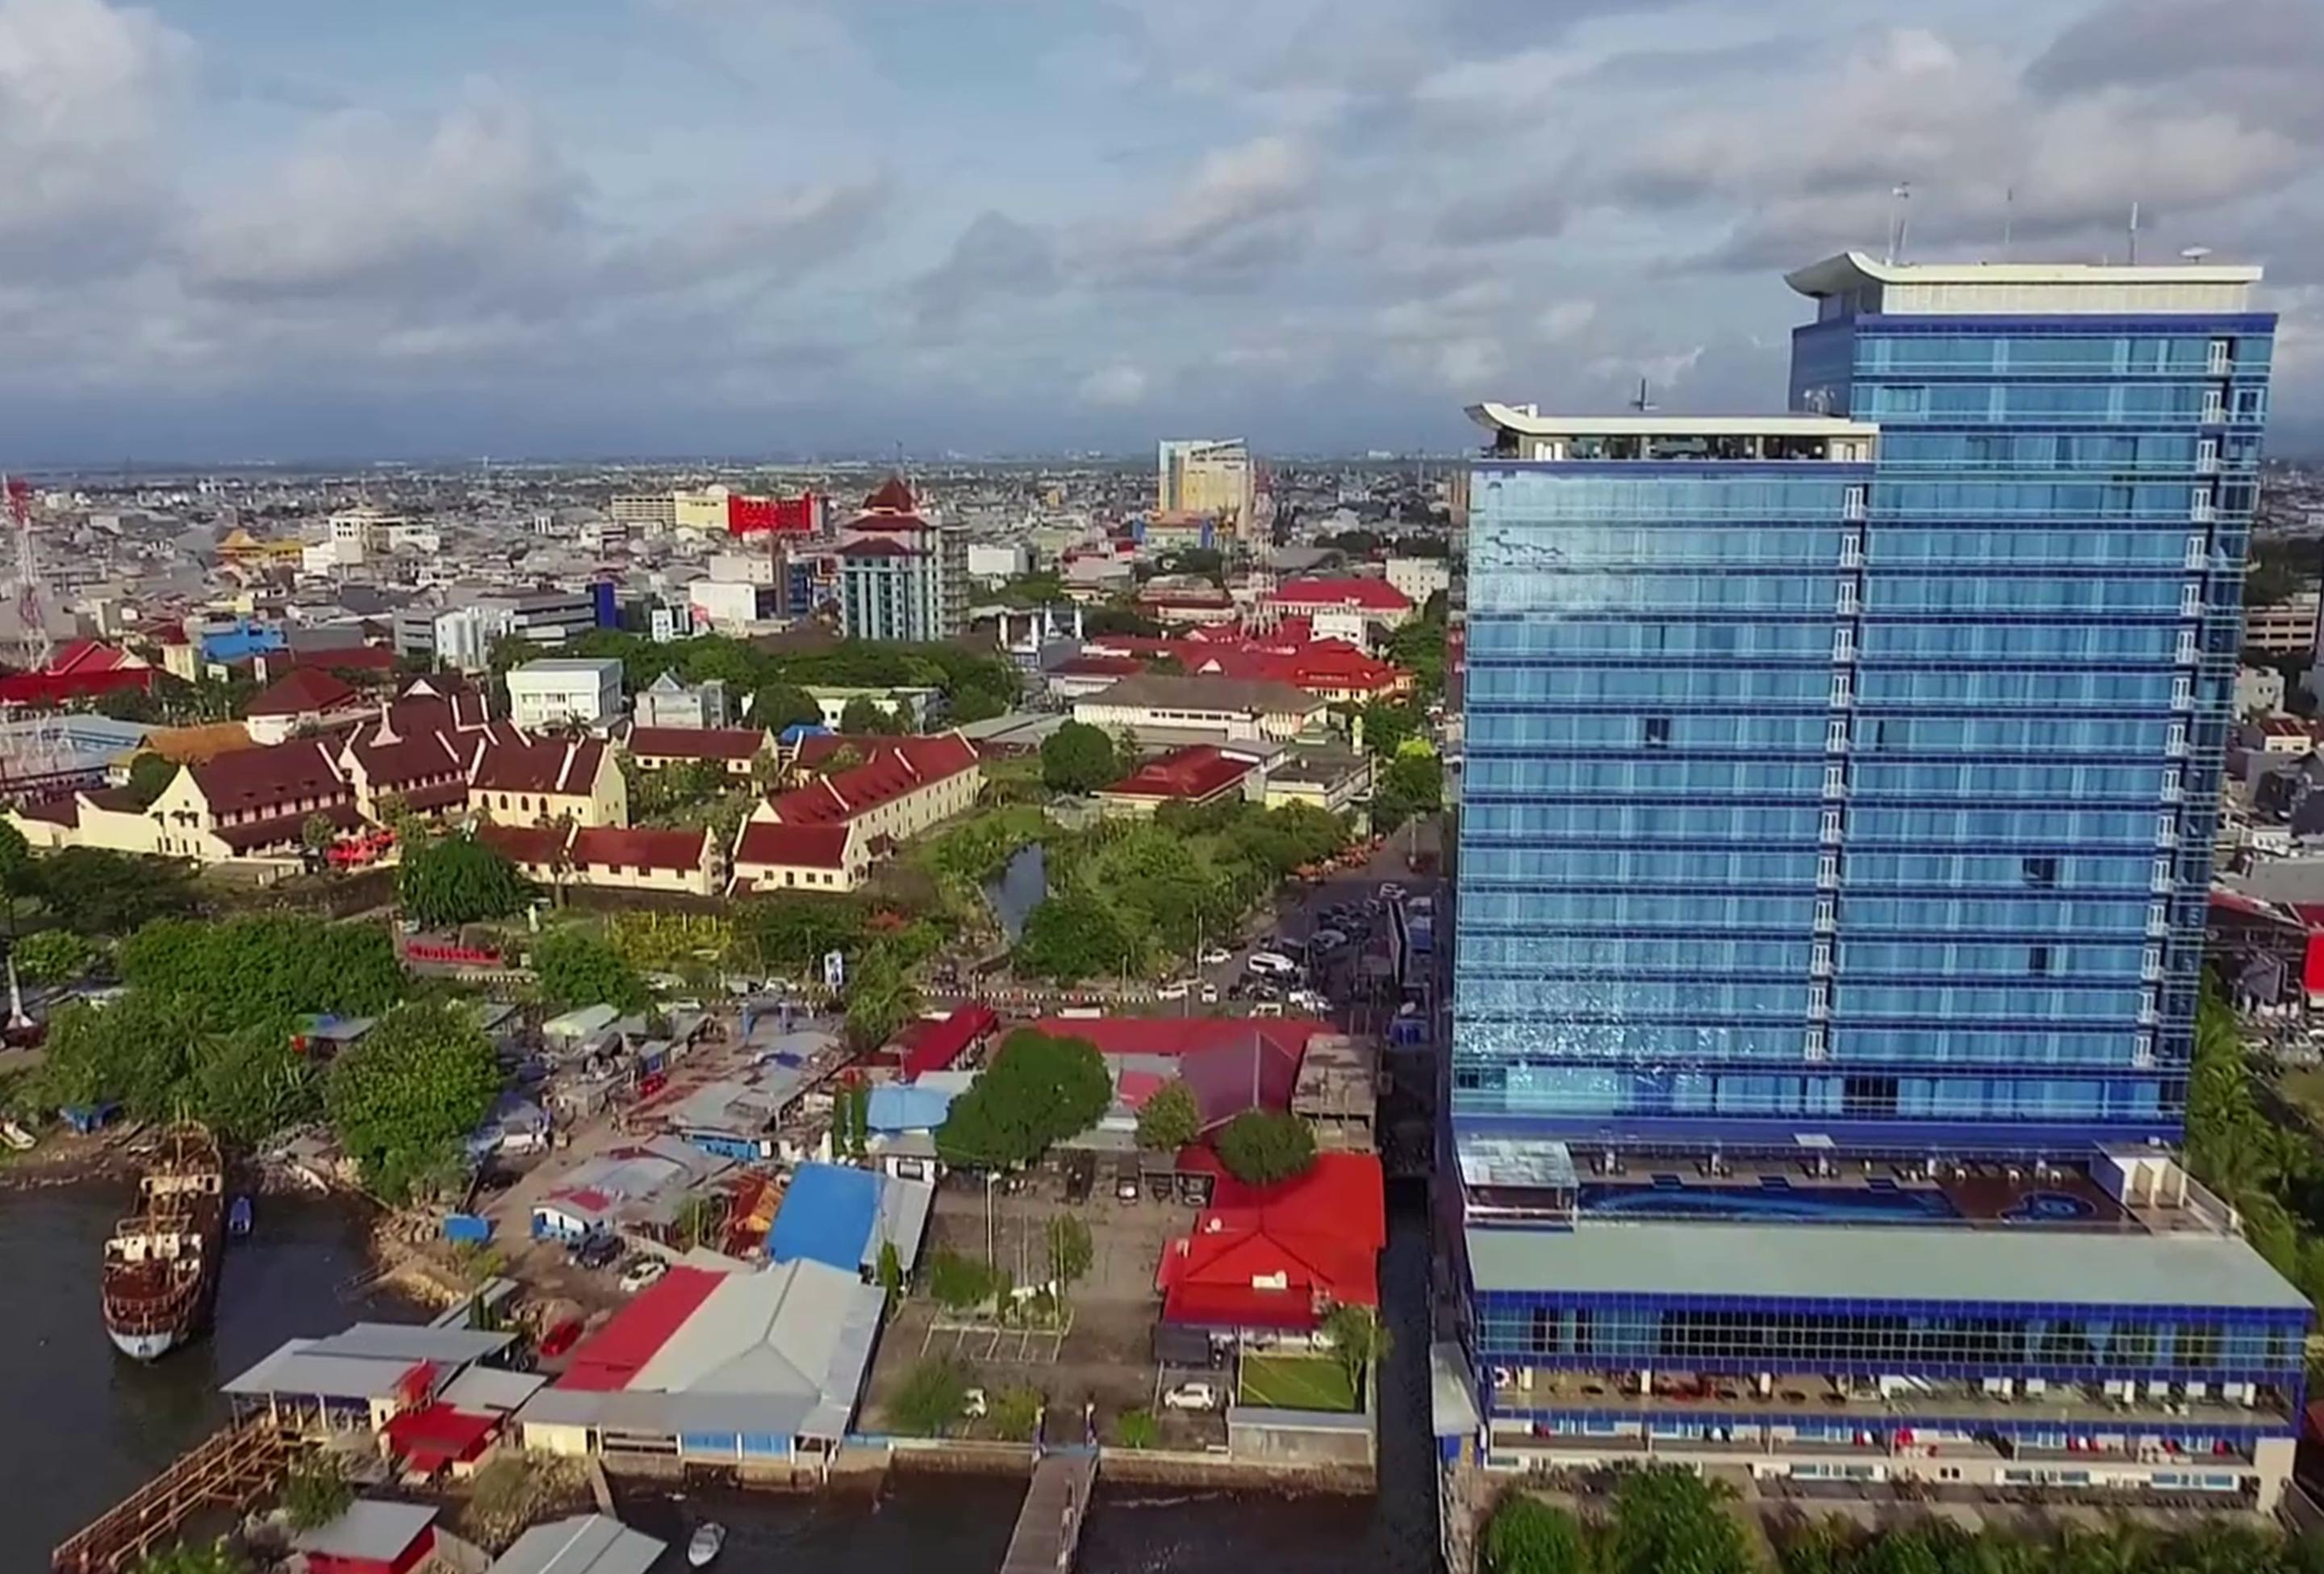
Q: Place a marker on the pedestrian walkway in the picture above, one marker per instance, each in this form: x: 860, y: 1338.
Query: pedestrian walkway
x: 1049, y: 1525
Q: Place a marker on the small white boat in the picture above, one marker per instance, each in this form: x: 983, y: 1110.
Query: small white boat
x: 709, y: 1538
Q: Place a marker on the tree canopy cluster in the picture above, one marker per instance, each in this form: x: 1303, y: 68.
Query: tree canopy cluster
x: 1038, y: 1091
x: 1663, y: 1519
x: 1412, y: 783
x: 975, y: 685
x: 1128, y: 896
x: 449, y: 881
x: 576, y: 968
x: 1418, y: 646
x: 666, y: 795
x: 1078, y: 758
x: 1169, y: 1118
x: 404, y: 1098
x: 2270, y: 1173
x: 93, y: 890
x: 205, y: 1023
x: 1262, y: 1146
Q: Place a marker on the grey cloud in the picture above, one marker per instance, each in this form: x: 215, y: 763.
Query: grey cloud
x: 785, y: 233
x: 2144, y: 42
x: 1530, y: 209
x: 995, y: 255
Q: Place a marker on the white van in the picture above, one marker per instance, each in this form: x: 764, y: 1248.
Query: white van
x: 1272, y: 965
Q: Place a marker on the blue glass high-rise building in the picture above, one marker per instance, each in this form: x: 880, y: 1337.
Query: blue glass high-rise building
x: 1854, y: 774
x: 1833, y: 850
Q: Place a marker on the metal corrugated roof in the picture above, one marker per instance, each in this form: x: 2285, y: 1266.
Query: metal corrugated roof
x: 369, y: 1531
x: 589, y: 1544
x: 1776, y: 1261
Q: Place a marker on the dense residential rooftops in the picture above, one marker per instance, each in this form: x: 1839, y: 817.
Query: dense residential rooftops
x: 1881, y: 1264
x: 895, y: 767
x: 591, y: 1544
x: 305, y: 690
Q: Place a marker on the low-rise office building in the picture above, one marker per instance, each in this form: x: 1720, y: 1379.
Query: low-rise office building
x: 1234, y: 708
x: 558, y: 690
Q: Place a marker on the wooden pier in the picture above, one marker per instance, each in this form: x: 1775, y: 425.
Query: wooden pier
x: 1049, y: 1525
x: 231, y: 1468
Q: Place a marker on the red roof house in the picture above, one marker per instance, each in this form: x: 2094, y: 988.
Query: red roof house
x: 1280, y: 1256
x: 1376, y: 597
x: 937, y: 1046
x: 80, y: 670
x: 1197, y: 776
x: 735, y: 749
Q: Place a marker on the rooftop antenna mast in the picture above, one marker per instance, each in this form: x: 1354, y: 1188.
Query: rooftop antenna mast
x: 1900, y: 218
x: 2009, y: 220
x: 1640, y: 403
x: 2133, y: 234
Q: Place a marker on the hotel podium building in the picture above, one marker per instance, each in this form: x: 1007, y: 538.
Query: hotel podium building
x: 1833, y: 846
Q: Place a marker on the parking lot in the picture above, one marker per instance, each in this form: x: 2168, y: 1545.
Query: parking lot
x: 1106, y: 1356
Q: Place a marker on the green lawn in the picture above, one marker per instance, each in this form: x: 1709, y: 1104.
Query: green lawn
x: 2303, y: 1086
x: 1296, y: 1383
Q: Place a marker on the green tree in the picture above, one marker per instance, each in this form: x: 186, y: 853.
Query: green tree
x: 930, y: 1402
x: 891, y: 1274
x: 218, y: 1558
x: 265, y: 971
x: 578, y: 969
x: 93, y: 890
x: 1038, y: 1091
x: 458, y: 880
x: 53, y: 956
x: 957, y: 1283
x: 792, y: 932
x: 1071, y: 1250
x: 1134, y: 1428
x: 1667, y: 1519
x: 1412, y: 783
x: 864, y: 714
x: 19, y: 877
x: 1015, y: 1412
x: 1261, y: 1146
x: 1387, y: 724
x: 779, y: 705
x: 1078, y: 758
x: 316, y: 1491
x: 249, y: 1084
x: 1072, y: 937
x: 1526, y: 1535
x: 880, y: 998
x: 316, y: 835
x: 403, y: 1097
x: 1170, y: 1118
x: 1359, y: 1340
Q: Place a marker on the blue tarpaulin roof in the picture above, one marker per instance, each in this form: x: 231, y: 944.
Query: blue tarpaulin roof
x: 897, y: 1108
x: 827, y: 1216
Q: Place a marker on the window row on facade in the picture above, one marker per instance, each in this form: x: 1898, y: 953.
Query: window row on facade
x: 1498, y: 1082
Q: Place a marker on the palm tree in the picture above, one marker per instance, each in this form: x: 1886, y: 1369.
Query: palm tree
x: 560, y: 857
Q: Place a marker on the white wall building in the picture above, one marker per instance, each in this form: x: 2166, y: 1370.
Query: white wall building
x: 559, y: 689
x: 998, y: 561
x: 1420, y: 578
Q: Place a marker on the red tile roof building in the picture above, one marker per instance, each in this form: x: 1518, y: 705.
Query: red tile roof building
x: 610, y: 857
x: 735, y: 749
x: 1375, y: 597
x: 521, y: 779
x: 308, y: 700
x: 1197, y: 776
x: 904, y: 786
x: 80, y: 670
x: 1279, y: 1257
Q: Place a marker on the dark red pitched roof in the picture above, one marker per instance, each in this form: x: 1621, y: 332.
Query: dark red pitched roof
x: 1195, y: 773
x: 934, y: 1046
x: 893, y: 496
x: 283, y: 829
x: 805, y: 846
x: 607, y: 846
x: 1366, y: 594
x: 877, y: 546
x: 897, y: 766
x: 696, y: 743
x: 521, y: 844
x: 260, y: 778
x: 306, y: 690
x: 417, y: 756
x: 1179, y: 1035
x: 64, y: 809
x: 520, y: 764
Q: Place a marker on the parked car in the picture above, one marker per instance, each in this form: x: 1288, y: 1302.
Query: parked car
x: 1217, y: 957
x: 1176, y: 989
x: 1125, y: 1190
x: 643, y: 1273
x: 1267, y: 1008
x: 1209, y: 995
x: 1307, y: 1000
x: 1080, y: 1176
x: 973, y: 1405
x: 595, y: 1251
x: 1271, y: 965
x: 1192, y: 1396
x: 1326, y: 939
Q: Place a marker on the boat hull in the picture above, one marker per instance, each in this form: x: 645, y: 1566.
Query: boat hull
x: 150, y: 1347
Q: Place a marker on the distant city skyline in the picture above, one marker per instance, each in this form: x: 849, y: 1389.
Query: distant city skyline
x: 562, y: 229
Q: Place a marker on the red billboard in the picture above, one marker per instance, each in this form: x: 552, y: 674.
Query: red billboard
x: 798, y: 515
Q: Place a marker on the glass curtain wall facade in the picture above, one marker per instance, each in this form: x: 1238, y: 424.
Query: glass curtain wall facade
x: 1643, y: 851
x: 1871, y: 803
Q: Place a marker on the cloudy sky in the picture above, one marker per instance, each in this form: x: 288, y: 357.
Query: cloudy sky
x: 286, y: 229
